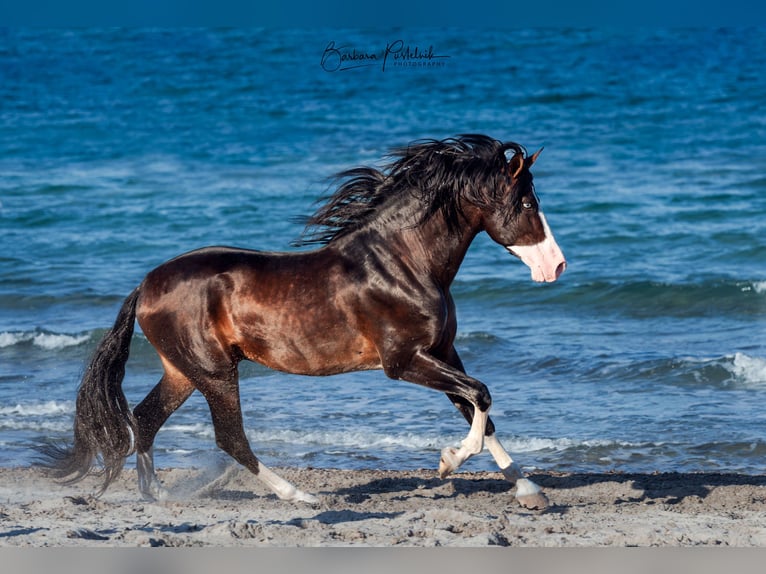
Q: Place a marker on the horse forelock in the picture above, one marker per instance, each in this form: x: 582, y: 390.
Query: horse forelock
x: 444, y: 173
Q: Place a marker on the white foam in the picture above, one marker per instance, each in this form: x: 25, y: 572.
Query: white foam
x: 533, y: 444
x: 47, y: 341
x: 759, y: 287
x: 39, y: 409
x: 197, y: 429
x: 750, y: 370
x: 36, y: 425
x: 366, y: 440
x: 53, y: 342
x: 10, y: 339
x: 360, y: 439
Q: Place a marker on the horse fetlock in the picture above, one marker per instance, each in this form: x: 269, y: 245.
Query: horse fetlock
x: 449, y: 461
x: 471, y: 446
x: 512, y: 472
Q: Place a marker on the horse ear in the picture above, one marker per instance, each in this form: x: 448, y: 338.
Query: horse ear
x: 516, y: 165
x: 534, y: 157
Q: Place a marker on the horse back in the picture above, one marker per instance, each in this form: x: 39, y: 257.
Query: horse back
x: 295, y: 312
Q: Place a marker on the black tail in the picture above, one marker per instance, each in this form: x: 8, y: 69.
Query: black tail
x: 104, y: 426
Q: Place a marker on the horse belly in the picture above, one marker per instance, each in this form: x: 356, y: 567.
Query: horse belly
x: 294, y: 347
x: 315, y: 355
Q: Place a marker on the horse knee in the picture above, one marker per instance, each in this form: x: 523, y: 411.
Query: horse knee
x: 482, y: 398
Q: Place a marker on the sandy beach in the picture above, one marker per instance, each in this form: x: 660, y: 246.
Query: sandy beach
x: 209, y: 507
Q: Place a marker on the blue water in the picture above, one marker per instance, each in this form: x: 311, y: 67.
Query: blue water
x: 120, y: 149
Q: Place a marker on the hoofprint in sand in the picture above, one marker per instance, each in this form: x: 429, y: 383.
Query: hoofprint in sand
x: 213, y: 507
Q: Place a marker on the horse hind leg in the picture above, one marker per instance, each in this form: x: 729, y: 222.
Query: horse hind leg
x: 169, y: 394
x: 223, y: 399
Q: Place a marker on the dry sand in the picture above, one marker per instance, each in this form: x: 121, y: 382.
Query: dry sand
x: 386, y: 508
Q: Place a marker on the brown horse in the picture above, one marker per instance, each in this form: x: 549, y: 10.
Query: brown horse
x: 374, y: 295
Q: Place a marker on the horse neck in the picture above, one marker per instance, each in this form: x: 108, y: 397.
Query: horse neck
x: 428, y: 248
x: 439, y: 250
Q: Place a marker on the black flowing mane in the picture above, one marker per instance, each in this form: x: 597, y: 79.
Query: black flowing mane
x: 442, y: 172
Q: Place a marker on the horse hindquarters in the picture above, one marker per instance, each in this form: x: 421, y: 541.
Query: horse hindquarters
x: 188, y: 328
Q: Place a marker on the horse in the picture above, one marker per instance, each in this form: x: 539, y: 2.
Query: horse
x: 370, y: 291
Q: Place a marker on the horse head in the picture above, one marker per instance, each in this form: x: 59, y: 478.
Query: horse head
x: 517, y: 223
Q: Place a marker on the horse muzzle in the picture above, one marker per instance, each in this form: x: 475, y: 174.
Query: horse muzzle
x: 545, y: 258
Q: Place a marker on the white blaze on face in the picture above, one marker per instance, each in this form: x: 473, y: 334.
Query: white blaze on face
x: 545, y: 259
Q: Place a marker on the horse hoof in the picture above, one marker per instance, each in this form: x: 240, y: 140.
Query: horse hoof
x: 530, y: 495
x: 448, y: 461
x: 537, y: 501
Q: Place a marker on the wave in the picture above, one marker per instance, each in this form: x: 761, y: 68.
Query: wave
x: 636, y: 298
x: 38, y: 417
x: 733, y: 371
x: 746, y: 369
x: 370, y: 440
x: 644, y: 299
x: 56, y: 417
x: 43, y: 339
x: 27, y: 297
x: 729, y: 371
x: 46, y: 408
x: 189, y: 443
x: 54, y: 341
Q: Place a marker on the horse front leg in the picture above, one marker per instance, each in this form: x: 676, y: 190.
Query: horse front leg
x: 452, y: 458
x: 528, y: 494
x: 426, y: 370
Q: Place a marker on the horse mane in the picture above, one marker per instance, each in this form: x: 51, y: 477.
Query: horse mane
x: 442, y: 173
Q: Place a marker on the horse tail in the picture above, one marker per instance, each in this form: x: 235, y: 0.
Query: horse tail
x: 104, y: 426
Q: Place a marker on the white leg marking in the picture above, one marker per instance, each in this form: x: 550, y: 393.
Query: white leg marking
x: 283, y: 489
x: 525, y: 487
x: 451, y: 458
x: 511, y: 470
x: 474, y: 442
x: 528, y: 494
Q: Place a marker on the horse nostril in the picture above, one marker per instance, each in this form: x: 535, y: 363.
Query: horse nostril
x: 561, y: 268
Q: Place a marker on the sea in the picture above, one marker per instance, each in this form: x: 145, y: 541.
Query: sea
x: 122, y: 148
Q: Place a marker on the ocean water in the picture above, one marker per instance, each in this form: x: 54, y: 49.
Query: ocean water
x: 120, y: 149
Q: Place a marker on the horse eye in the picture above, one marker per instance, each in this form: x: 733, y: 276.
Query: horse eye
x: 527, y: 205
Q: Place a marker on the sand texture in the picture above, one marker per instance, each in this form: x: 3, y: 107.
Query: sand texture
x: 385, y: 508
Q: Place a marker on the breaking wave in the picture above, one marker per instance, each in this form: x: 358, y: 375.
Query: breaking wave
x: 43, y: 339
